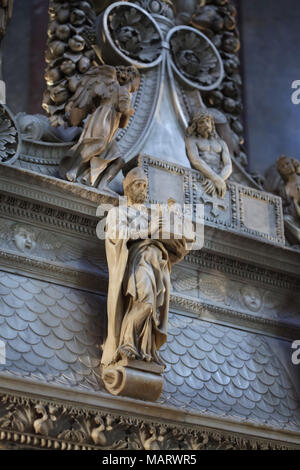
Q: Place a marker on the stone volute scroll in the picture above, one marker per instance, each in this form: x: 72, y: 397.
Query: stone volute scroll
x: 140, y: 261
x: 208, y: 153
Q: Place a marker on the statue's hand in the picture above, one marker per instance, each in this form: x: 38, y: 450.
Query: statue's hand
x: 221, y: 187
x: 209, y: 187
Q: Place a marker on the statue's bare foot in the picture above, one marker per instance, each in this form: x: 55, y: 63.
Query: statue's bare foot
x: 71, y: 175
x: 147, y: 358
x: 86, y: 179
x: 129, y: 353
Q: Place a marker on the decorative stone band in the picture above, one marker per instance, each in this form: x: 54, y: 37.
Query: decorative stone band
x: 28, y: 422
x: 246, y: 211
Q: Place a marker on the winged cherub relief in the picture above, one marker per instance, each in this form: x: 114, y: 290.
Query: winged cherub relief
x: 103, y: 99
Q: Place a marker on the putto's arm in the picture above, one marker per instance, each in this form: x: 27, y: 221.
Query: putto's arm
x: 125, y: 107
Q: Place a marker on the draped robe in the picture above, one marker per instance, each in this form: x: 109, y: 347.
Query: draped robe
x: 139, y: 288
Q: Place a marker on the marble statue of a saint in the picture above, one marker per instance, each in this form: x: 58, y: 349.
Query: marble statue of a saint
x: 139, y: 278
x: 208, y: 153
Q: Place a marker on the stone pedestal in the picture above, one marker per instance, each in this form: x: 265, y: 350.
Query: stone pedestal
x: 134, y: 379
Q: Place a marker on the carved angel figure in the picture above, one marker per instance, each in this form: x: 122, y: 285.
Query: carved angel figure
x: 208, y: 153
x: 104, y: 95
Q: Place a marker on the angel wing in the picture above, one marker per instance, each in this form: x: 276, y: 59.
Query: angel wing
x: 6, y: 234
x: 183, y: 281
x: 213, y: 289
x: 93, y: 85
x: 61, y: 249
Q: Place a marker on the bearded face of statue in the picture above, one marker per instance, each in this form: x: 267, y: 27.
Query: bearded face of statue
x: 137, y: 192
x: 205, y: 127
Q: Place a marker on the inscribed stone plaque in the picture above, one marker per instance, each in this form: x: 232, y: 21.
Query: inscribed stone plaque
x: 258, y: 215
x: 164, y: 185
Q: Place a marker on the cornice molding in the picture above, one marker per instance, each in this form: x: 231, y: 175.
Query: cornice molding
x: 225, y: 316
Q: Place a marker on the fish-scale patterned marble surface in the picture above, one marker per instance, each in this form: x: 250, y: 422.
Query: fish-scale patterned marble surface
x: 53, y: 334
x: 226, y: 371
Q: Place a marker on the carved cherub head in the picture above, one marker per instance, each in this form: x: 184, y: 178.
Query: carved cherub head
x: 24, y: 238
x: 287, y: 166
x: 202, y: 125
x: 129, y: 76
x: 251, y: 298
x: 135, y: 186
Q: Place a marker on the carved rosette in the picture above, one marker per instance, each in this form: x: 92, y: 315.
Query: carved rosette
x: 131, y: 36
x: 195, y: 59
x: 134, y: 34
x: 9, y: 137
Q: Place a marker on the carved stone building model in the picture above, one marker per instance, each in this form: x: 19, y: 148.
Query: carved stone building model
x: 152, y: 85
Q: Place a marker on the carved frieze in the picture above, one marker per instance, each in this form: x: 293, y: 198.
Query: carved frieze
x: 34, y: 242
x: 232, y: 294
x: 31, y: 423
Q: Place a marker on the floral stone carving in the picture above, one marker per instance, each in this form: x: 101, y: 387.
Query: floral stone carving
x: 135, y: 34
x: 9, y: 137
x: 195, y: 57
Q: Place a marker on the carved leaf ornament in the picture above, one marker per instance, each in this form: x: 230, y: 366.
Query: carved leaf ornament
x: 9, y: 137
x: 194, y: 58
x: 135, y: 35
